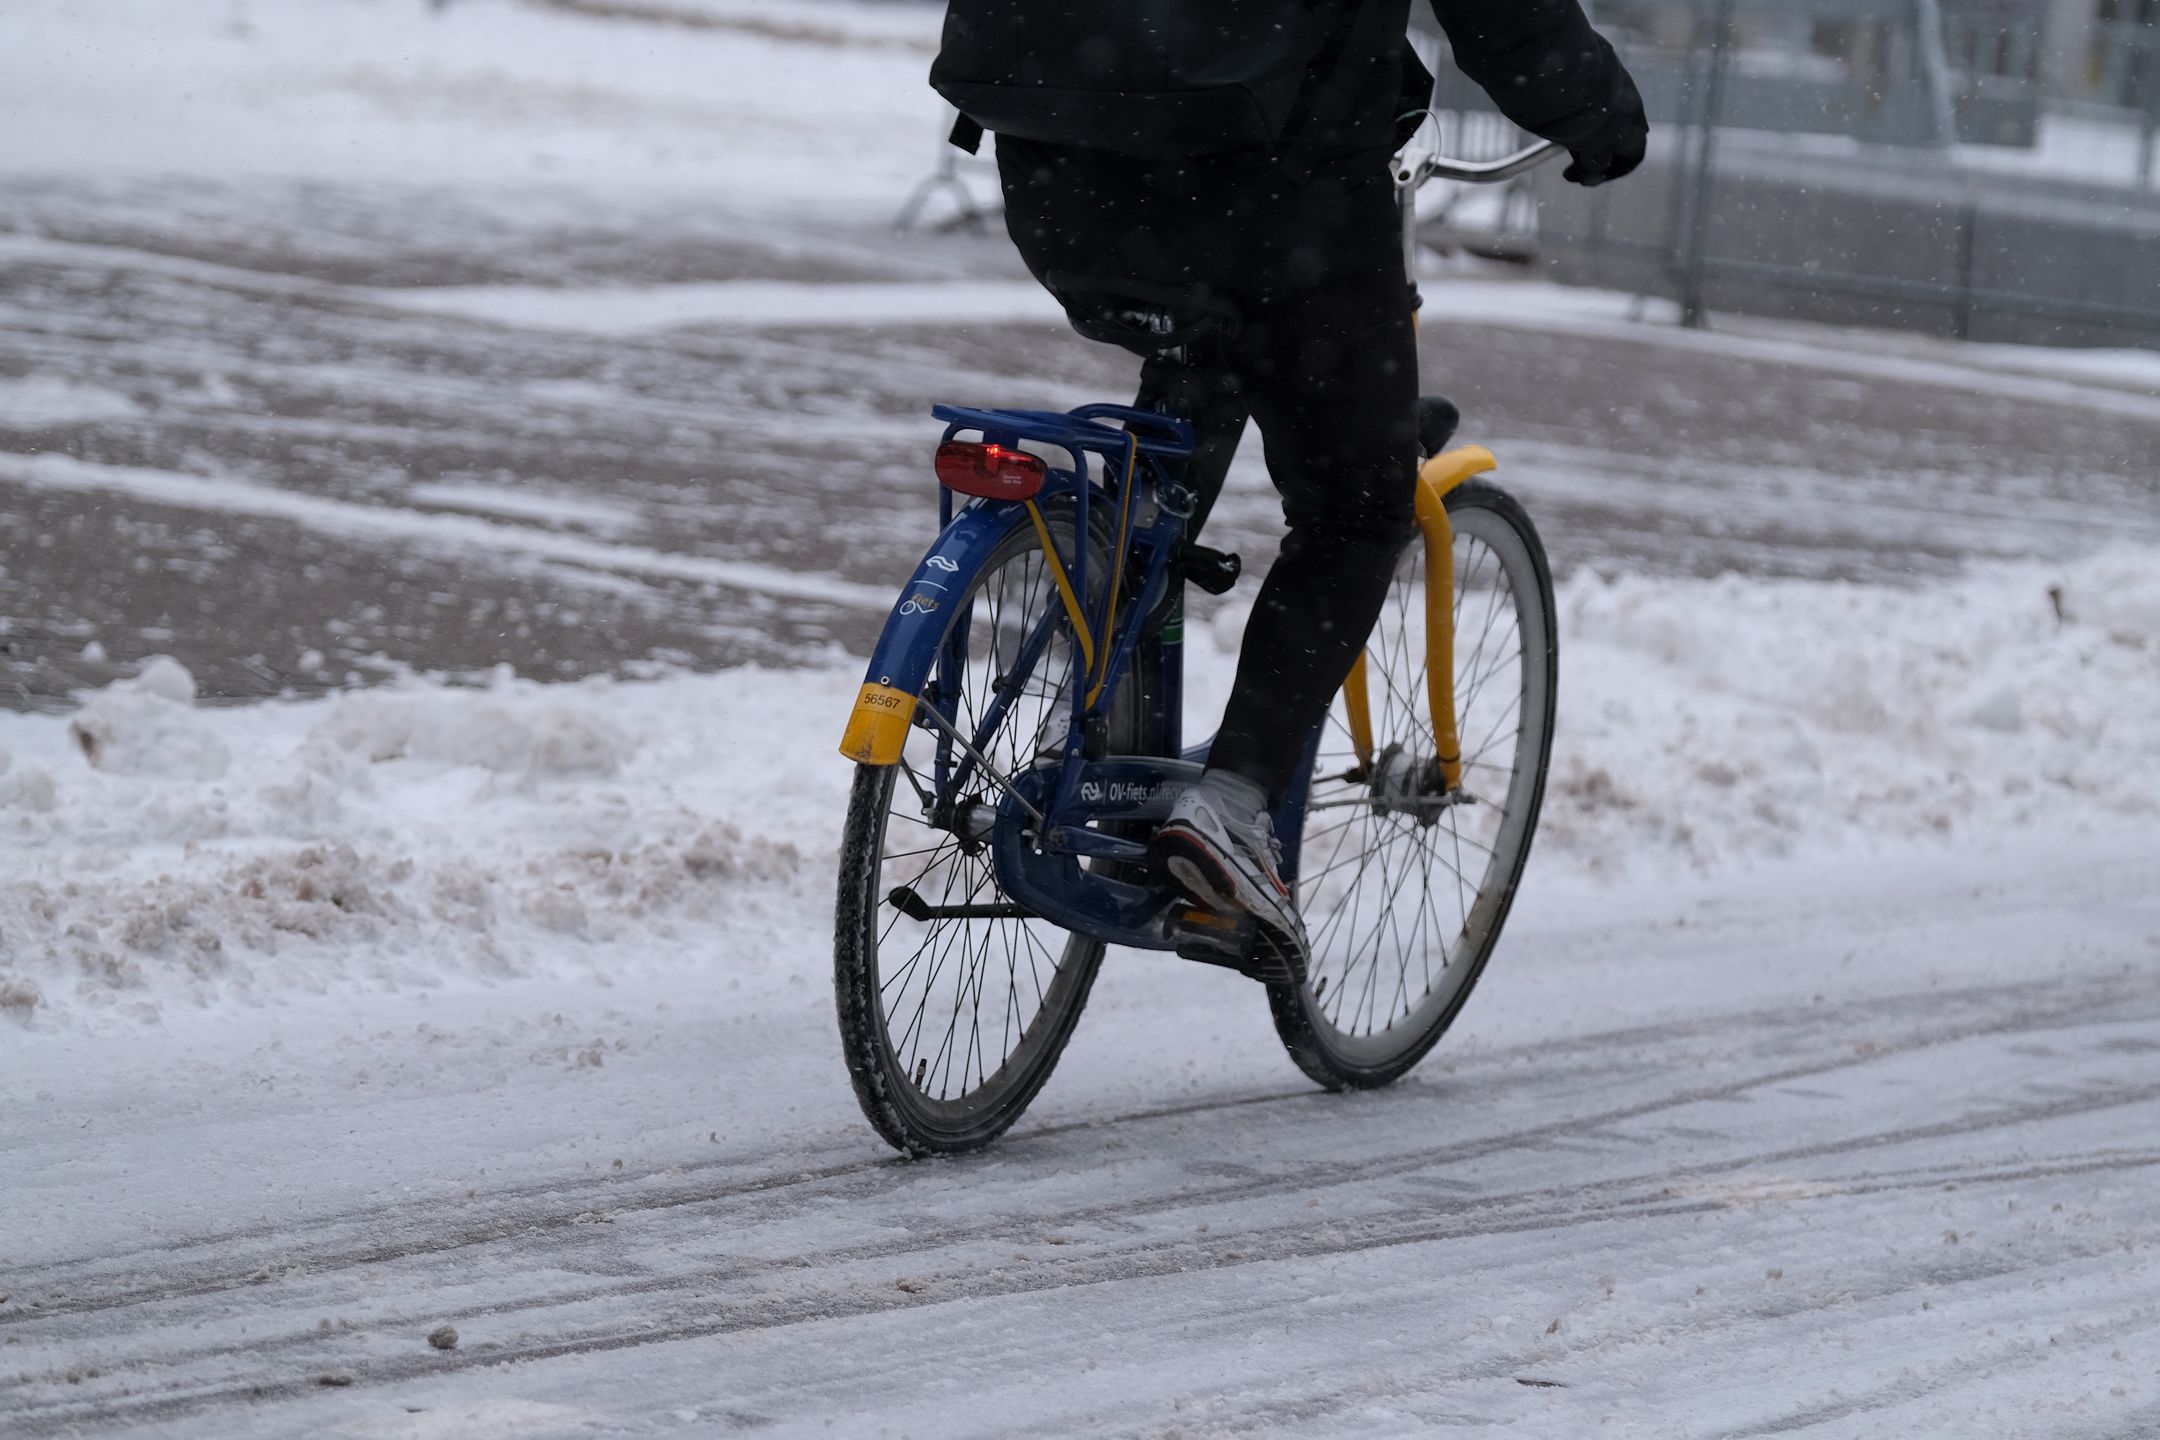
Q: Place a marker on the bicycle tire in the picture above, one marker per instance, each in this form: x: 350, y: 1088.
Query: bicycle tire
x: 1394, y: 1020
x: 891, y: 1076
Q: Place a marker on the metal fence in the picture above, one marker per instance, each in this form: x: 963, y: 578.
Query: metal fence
x: 1900, y: 228
x: 1899, y: 72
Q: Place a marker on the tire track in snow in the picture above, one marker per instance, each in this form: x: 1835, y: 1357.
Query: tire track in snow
x: 467, y: 534
x: 2019, y: 1008
x: 1625, y: 1198
x: 1294, y: 1403
x: 1997, y: 1358
x: 1227, y: 1250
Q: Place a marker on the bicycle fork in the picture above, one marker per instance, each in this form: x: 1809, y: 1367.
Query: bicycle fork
x: 1437, y: 477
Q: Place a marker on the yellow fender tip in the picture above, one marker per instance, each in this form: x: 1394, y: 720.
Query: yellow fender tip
x: 877, y: 729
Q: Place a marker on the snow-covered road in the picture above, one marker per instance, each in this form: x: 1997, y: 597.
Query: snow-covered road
x: 342, y: 1021
x: 667, y: 434
x: 1891, y: 1172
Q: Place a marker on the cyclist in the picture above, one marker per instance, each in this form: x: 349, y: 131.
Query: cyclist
x: 1279, y: 266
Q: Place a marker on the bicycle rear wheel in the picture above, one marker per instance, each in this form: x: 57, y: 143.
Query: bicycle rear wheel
x: 952, y: 1015
x: 1404, y: 899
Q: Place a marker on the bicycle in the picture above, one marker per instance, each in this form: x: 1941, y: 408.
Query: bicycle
x: 1019, y: 735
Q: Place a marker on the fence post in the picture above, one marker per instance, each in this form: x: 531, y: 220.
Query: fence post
x: 2148, y: 84
x: 1935, y: 70
x: 1968, y: 226
x: 1698, y: 236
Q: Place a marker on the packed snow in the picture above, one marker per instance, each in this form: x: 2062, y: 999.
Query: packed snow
x: 469, y: 534
x: 737, y: 303
x: 425, y: 834
x: 35, y: 402
x: 394, y: 837
x: 525, y: 502
x: 479, y: 91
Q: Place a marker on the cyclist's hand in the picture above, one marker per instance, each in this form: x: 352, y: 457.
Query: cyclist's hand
x: 1616, y: 147
x: 1614, y: 153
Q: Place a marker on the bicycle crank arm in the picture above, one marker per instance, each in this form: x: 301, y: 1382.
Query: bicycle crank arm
x: 1075, y: 840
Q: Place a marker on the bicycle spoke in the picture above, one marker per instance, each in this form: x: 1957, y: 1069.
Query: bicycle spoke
x: 1383, y: 929
x: 962, y: 995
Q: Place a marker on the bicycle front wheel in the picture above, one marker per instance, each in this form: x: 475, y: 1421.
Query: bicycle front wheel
x: 953, y: 1007
x: 1405, y: 890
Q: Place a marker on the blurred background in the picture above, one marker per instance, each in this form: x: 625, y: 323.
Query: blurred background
x: 1977, y: 168
x: 299, y: 295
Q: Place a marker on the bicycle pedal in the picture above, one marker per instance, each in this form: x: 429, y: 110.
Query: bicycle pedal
x: 1216, y: 939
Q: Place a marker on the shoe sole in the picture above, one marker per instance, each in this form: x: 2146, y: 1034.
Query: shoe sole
x: 1192, y: 866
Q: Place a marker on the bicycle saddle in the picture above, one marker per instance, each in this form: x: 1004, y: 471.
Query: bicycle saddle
x: 1143, y: 317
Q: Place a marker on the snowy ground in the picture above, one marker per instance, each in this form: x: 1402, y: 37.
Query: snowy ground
x: 163, y: 857
x: 1822, y: 1048
x: 1813, y: 1091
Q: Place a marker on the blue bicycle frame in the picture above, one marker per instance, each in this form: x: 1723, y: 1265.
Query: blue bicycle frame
x: 1054, y: 819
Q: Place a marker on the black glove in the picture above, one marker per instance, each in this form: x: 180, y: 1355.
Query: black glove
x: 1618, y: 145
x: 1555, y: 76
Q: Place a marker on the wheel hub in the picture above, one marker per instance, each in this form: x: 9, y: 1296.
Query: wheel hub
x: 1404, y: 782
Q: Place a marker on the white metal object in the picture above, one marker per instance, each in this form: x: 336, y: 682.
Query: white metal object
x: 1414, y: 167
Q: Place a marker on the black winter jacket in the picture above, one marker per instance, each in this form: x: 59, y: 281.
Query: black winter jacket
x: 1540, y: 60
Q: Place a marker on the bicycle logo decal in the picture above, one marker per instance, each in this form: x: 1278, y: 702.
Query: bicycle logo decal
x: 1119, y: 792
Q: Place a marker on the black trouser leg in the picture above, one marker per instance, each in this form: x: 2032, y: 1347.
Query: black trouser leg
x: 1325, y: 361
x: 1331, y: 374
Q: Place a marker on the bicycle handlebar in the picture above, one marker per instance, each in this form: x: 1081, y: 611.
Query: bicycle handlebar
x: 1412, y: 172
x: 1416, y: 172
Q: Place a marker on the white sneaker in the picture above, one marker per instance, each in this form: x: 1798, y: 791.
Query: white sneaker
x: 1232, y: 864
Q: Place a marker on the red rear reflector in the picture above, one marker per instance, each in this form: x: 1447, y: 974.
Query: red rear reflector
x: 991, y: 471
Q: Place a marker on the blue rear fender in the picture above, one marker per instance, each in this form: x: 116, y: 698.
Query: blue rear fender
x: 907, y: 650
